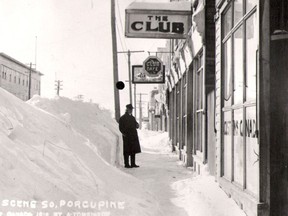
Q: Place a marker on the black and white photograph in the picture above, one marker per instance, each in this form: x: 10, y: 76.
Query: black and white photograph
x: 143, y: 108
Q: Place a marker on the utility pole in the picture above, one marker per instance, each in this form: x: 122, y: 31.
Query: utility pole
x: 135, y: 100
x: 129, y: 69
x: 58, y: 85
x: 30, y: 78
x: 115, y: 61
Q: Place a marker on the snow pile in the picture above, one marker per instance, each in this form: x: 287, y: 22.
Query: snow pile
x: 154, y: 142
x: 44, y: 159
x: 89, y: 120
x: 200, y: 195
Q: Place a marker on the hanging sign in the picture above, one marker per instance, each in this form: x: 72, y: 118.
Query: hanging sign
x: 142, y: 76
x: 158, y: 20
x: 153, y: 66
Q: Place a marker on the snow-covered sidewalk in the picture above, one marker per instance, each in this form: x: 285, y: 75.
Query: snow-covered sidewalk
x: 177, y: 189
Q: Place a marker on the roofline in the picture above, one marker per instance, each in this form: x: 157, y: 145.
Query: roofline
x: 161, y: 6
x: 19, y: 63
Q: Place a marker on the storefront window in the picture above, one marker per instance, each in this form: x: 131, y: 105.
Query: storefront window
x: 250, y: 4
x: 227, y: 20
x: 227, y: 127
x: 184, y: 109
x: 199, y: 80
x: 227, y: 72
x: 238, y: 146
x: 238, y: 10
x: 252, y: 150
x: 239, y: 65
x: 178, y: 111
x: 251, y: 48
x: 198, y: 68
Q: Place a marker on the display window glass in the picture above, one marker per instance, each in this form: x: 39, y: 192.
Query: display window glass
x: 240, y: 145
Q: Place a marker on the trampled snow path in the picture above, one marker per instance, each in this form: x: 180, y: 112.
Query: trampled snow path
x: 177, y: 189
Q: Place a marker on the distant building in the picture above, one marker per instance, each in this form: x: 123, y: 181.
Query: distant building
x: 15, y: 77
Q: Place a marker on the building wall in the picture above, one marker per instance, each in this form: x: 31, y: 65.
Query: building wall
x: 15, y: 78
x: 204, y: 84
x: 278, y: 107
x: 265, y: 108
x: 210, y: 83
x: 218, y: 95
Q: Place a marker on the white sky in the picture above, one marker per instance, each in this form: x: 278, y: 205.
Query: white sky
x: 73, y: 45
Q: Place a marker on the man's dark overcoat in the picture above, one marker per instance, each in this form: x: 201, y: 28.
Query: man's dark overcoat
x: 128, y: 127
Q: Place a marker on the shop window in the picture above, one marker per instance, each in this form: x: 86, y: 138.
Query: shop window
x: 178, y: 111
x: 227, y: 67
x: 251, y: 49
x: 252, y: 150
x: 238, y: 11
x: 198, y: 107
x: 238, y: 66
x: 250, y: 4
x: 184, y: 109
x: 227, y: 147
x: 227, y: 20
x: 239, y: 76
x: 238, y: 147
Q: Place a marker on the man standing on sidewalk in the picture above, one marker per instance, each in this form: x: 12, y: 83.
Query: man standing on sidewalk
x: 128, y: 127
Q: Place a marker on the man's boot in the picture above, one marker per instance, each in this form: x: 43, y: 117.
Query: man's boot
x: 133, y: 161
x: 126, y: 161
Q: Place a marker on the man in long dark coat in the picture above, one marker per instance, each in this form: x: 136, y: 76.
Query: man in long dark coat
x: 128, y: 127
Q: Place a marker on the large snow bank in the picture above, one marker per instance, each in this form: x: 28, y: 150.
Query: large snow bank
x: 89, y: 120
x: 44, y: 158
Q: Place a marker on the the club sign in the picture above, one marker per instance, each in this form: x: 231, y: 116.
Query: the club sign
x: 158, y: 20
x: 153, y: 66
x: 158, y: 24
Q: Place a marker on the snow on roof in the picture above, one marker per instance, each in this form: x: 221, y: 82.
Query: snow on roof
x: 19, y: 63
x: 170, y: 6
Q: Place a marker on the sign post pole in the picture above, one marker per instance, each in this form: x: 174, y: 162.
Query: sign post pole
x: 129, y: 73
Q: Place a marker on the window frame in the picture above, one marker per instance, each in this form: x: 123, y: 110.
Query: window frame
x: 199, y: 97
x: 230, y: 109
